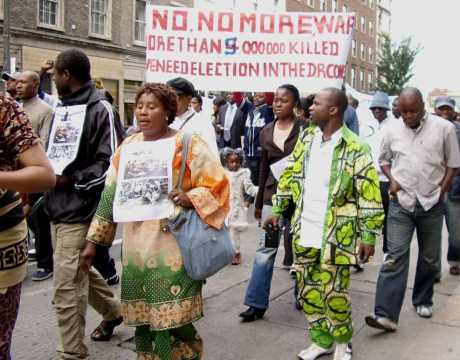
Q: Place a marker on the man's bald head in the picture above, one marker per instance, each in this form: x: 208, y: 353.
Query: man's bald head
x: 337, y: 98
x: 329, y: 106
x: 411, y: 106
x: 27, y: 85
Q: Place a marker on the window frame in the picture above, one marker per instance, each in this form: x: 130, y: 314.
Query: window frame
x: 363, y: 24
x: 59, y: 16
x: 354, y: 48
x: 362, y: 80
x: 362, y: 52
x: 311, y: 3
x: 136, y: 41
x: 107, y: 29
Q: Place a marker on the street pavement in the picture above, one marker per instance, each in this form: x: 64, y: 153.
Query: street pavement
x: 283, y: 331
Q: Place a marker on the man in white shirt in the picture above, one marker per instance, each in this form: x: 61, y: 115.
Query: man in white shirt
x: 372, y: 133
x: 187, y: 119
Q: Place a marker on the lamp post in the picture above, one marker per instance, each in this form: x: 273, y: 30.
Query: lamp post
x: 6, y: 35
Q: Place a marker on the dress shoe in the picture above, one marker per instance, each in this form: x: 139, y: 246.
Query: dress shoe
x: 252, y: 314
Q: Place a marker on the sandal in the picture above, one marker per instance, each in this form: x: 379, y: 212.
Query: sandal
x: 105, y: 329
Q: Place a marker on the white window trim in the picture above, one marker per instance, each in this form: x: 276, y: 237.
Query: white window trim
x: 59, y: 27
x: 362, y: 51
x: 108, y: 30
x: 354, y: 49
x: 135, y: 41
x: 363, y: 24
x: 311, y: 3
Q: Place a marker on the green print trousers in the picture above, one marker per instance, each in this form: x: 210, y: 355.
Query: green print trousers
x: 323, y: 294
x: 182, y: 343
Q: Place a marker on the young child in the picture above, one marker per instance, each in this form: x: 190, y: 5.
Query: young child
x: 240, y: 184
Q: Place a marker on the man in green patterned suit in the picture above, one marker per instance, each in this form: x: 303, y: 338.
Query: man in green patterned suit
x: 332, y: 181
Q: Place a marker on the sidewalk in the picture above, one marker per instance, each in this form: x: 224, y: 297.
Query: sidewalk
x: 282, y: 332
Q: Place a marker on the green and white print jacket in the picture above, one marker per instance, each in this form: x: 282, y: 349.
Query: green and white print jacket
x: 354, y: 210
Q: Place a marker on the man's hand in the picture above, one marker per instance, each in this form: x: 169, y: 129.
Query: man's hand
x: 180, y: 199
x: 365, y: 252
x: 394, y: 188
x: 47, y: 65
x: 27, y: 210
x: 273, y: 221
x: 87, y: 256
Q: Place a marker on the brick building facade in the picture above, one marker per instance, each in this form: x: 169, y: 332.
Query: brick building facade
x: 111, y: 32
x: 361, y: 65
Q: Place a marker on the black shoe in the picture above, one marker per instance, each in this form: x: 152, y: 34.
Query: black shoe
x: 252, y: 314
x: 114, y: 280
x: 358, y: 268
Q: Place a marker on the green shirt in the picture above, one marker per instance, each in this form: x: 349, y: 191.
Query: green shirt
x: 354, y: 208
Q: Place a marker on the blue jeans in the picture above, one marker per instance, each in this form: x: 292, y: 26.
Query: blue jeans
x: 392, y: 281
x: 452, y: 212
x: 258, y: 290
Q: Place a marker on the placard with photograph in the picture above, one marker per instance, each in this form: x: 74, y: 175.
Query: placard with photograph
x: 144, y: 181
x: 65, y: 136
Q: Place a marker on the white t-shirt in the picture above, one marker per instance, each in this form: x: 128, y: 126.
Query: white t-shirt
x: 199, y: 124
x: 316, y: 191
x: 372, y: 133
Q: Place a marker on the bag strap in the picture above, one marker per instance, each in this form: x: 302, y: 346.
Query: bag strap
x: 186, y: 139
x: 186, y: 121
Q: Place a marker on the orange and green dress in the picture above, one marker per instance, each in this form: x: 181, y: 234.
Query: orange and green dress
x: 158, y: 297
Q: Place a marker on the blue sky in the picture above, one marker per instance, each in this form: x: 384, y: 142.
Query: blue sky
x: 435, y: 25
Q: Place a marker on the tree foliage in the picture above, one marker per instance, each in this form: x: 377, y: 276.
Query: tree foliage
x: 394, y: 65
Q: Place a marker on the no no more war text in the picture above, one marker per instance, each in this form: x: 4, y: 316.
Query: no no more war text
x: 233, y: 45
x: 251, y: 23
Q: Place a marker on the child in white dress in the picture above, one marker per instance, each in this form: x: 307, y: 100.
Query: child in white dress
x: 240, y: 185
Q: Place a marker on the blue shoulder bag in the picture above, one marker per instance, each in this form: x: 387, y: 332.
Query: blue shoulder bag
x: 205, y: 250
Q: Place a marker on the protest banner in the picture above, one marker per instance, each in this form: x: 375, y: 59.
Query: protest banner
x: 238, y: 51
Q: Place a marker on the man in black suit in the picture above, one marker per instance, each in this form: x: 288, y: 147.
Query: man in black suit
x: 231, y: 120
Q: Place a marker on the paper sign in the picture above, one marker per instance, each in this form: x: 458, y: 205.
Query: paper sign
x: 65, y: 136
x: 144, y: 181
x: 278, y: 167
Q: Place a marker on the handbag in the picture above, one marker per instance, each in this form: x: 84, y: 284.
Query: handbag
x: 204, y: 250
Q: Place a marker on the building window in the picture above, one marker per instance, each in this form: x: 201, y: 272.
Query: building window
x: 353, y: 77
x: 335, y: 5
x: 353, y: 48
x: 139, y: 21
x: 371, y: 3
x: 362, y: 80
x: 344, y: 8
x: 50, y: 13
x: 370, y: 52
x: 362, y: 51
x: 311, y: 3
x: 100, y: 16
x: 322, y: 5
x: 363, y: 24
x: 370, y: 78
x: 371, y: 28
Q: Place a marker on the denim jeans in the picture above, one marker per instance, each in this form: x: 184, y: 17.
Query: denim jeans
x: 258, y: 290
x: 384, y: 188
x: 392, y: 281
x: 452, y: 212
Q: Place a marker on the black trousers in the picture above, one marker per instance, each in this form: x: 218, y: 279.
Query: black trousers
x: 39, y: 223
x: 104, y: 263
x: 384, y: 189
x: 253, y: 163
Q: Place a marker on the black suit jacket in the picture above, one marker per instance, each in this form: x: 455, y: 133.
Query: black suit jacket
x: 237, y: 129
